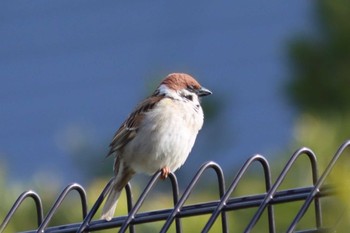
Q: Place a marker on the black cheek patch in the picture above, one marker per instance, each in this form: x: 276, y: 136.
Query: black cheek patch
x: 189, y: 97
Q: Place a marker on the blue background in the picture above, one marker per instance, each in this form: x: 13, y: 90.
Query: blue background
x: 71, y: 71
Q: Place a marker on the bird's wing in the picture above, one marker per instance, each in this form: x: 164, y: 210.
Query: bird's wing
x: 128, y: 129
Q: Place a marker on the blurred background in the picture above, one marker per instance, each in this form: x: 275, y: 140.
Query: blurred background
x: 71, y: 72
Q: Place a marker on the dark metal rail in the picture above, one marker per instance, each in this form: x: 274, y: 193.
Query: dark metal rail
x: 224, y: 204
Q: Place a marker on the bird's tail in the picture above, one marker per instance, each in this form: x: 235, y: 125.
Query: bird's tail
x: 122, y: 176
x: 111, y: 203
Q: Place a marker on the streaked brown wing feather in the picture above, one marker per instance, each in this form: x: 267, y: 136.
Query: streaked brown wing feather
x: 128, y: 129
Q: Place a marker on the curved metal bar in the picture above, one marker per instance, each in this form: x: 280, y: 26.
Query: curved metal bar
x: 95, y: 207
x: 129, y: 201
x: 318, y: 185
x: 60, y: 199
x: 139, y: 202
x: 190, y: 187
x: 175, y: 189
x: 267, y: 174
x: 318, y: 214
x: 17, y: 204
x: 270, y: 194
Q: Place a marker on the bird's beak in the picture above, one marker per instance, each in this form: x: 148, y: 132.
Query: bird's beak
x: 203, y: 92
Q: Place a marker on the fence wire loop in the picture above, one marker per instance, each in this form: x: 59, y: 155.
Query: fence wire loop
x: 17, y: 204
x: 59, y: 201
x: 225, y: 203
x: 267, y: 174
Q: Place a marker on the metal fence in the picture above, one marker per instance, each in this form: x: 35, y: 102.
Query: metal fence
x: 217, y: 210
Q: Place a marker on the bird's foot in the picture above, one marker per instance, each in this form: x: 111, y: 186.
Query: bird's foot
x: 165, y: 172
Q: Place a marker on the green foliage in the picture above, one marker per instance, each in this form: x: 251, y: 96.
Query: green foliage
x: 324, y: 136
x: 319, y: 88
x: 321, y: 66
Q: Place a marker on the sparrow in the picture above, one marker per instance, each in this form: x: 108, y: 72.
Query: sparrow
x: 158, y: 135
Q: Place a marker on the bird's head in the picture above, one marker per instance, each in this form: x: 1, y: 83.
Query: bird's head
x: 180, y: 85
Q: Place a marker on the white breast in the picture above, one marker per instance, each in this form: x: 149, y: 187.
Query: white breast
x: 165, y: 137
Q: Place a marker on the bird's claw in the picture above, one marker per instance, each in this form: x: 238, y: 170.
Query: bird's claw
x: 165, y: 173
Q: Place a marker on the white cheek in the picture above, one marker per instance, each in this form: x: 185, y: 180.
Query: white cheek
x: 164, y: 90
